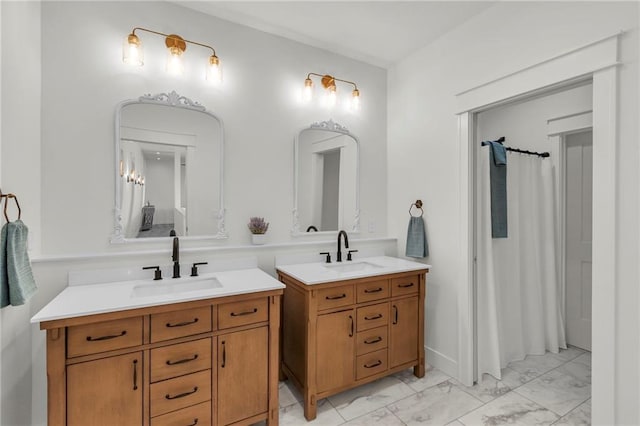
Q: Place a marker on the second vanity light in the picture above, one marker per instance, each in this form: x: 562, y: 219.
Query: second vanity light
x: 329, y: 84
x: 132, y: 53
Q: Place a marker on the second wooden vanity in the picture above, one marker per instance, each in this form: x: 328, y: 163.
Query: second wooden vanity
x: 341, y: 334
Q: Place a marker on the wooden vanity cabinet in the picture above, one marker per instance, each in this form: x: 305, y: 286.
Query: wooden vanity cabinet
x: 339, y: 335
x: 206, y: 362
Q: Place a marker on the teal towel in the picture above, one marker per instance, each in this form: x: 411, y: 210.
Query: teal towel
x: 17, y: 284
x: 416, y: 238
x: 498, y: 179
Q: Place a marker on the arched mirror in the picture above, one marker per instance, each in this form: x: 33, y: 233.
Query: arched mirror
x: 326, y: 181
x: 169, y: 169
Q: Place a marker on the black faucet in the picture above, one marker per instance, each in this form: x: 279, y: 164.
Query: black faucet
x: 346, y: 245
x: 176, y: 254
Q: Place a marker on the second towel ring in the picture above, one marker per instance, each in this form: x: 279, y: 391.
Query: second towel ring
x: 418, y: 205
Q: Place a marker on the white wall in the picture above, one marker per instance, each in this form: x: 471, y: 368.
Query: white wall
x: 68, y: 198
x: 423, y: 154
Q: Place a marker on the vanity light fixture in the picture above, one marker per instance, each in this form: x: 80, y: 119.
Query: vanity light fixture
x: 132, y: 53
x: 329, y: 84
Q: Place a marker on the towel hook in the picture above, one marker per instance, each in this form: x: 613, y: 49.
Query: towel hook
x: 418, y: 205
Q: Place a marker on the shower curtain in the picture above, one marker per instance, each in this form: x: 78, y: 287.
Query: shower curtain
x: 519, y: 310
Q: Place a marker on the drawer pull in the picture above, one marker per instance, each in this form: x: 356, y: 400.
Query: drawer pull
x: 195, y: 422
x: 182, y: 395
x: 112, y: 336
x: 182, y: 324
x: 182, y: 361
x: 239, y: 314
x: 372, y: 341
x: 135, y: 374
x: 224, y: 354
x: 373, y: 317
x: 342, y: 296
x: 373, y: 290
x: 405, y: 285
x: 375, y: 364
x: 351, y: 330
x: 395, y: 314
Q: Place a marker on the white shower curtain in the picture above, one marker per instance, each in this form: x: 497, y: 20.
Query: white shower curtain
x: 518, y: 288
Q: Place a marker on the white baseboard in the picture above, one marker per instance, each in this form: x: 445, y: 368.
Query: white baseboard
x: 442, y: 362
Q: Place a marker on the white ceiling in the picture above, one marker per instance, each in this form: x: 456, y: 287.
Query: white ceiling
x: 377, y: 32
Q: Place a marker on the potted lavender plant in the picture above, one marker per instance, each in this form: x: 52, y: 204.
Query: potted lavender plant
x: 258, y: 228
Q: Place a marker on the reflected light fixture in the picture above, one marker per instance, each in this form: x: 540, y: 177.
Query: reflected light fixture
x: 330, y: 96
x: 133, y: 54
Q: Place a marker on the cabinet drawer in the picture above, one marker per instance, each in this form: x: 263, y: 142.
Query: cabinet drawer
x: 178, y: 360
x: 369, y: 364
x: 104, y: 336
x: 180, y: 392
x: 375, y: 290
x: 373, y: 316
x: 242, y: 313
x: 371, y: 340
x: 199, y: 415
x: 171, y: 325
x: 405, y: 285
x: 335, y: 297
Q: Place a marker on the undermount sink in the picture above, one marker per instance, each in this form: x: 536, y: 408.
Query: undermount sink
x: 161, y: 289
x: 353, y: 267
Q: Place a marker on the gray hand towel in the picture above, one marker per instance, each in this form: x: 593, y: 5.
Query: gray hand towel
x: 498, y: 178
x: 17, y: 284
x: 416, y: 238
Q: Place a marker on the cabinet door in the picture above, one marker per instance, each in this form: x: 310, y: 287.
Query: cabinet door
x: 335, y: 350
x: 106, y: 391
x: 403, y: 342
x: 243, y: 371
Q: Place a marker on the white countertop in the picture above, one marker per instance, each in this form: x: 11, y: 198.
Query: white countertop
x: 318, y: 273
x: 90, y: 299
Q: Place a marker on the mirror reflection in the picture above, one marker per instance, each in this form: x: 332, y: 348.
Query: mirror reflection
x: 169, y: 169
x: 326, y: 179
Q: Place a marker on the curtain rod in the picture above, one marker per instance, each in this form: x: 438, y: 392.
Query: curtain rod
x: 521, y: 151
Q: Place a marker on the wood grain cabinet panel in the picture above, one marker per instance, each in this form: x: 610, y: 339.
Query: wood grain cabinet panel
x: 242, y: 313
x: 197, y: 415
x: 180, y: 323
x: 180, y: 359
x: 343, y: 334
x: 104, y: 336
x: 173, y: 394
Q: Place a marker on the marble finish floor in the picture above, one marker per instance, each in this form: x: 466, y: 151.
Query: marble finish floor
x: 550, y: 389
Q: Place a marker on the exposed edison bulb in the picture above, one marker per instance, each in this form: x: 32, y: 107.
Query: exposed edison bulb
x: 330, y: 97
x: 355, y: 100
x: 132, y: 52
x: 307, y: 91
x: 214, y: 70
x: 175, y: 66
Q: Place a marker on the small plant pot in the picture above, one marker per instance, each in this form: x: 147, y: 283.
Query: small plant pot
x: 258, y: 239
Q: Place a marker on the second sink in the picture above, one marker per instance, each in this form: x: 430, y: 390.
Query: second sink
x: 145, y: 290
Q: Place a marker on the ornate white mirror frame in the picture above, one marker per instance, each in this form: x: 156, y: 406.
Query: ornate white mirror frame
x: 173, y: 100
x: 328, y: 126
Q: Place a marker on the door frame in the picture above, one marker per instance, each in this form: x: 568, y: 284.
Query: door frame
x: 597, y: 61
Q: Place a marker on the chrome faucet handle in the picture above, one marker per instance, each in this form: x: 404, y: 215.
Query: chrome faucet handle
x: 157, y: 274
x: 194, y: 268
x: 349, y: 254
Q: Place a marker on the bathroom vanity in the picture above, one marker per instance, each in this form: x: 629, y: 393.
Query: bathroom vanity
x: 192, y: 351
x: 347, y: 324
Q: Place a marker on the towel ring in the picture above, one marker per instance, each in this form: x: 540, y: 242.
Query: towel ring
x: 6, y: 201
x: 418, y: 205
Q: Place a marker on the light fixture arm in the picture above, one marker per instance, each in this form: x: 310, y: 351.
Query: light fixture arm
x: 173, y: 37
x: 330, y: 78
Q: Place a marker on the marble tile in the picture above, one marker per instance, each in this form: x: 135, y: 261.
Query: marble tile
x: 436, y: 405
x: 486, y: 390
x: 372, y: 396
x: 288, y: 394
x: 382, y: 417
x: 455, y: 423
x: 579, y: 370
x: 568, y: 354
x: 514, y: 379
x: 585, y: 359
x: 510, y: 409
x: 293, y: 415
x: 536, y: 364
x: 432, y: 377
x: 580, y: 416
x: 557, y: 391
